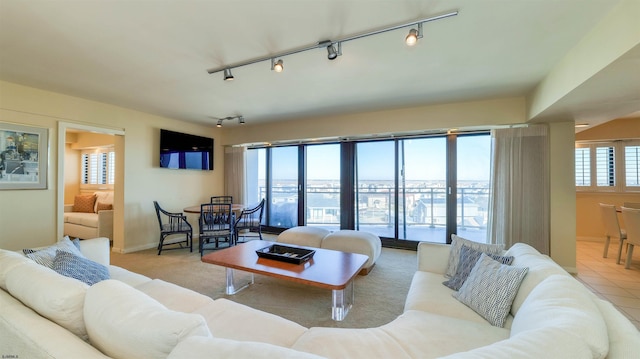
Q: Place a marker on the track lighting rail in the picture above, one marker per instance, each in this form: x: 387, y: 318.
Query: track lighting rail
x: 329, y: 44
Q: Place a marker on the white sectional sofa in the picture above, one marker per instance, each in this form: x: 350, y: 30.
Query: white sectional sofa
x: 131, y: 316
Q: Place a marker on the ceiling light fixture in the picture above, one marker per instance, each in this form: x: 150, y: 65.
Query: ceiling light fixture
x: 581, y: 125
x: 240, y: 119
x: 277, y: 66
x: 227, y: 75
x: 414, y: 35
x: 332, y: 51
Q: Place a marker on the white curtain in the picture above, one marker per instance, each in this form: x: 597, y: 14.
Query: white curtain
x: 235, y: 170
x: 519, y: 202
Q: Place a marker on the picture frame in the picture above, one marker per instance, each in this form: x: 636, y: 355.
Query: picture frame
x: 24, y: 157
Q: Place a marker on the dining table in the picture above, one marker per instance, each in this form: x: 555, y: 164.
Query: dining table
x: 235, y: 207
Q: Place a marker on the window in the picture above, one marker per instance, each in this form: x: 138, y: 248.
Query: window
x: 608, y: 166
x: 98, y: 167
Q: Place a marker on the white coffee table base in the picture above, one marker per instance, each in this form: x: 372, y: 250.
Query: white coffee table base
x: 342, y: 301
x: 233, y: 285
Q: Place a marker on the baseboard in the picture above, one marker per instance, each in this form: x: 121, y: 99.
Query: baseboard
x: 571, y: 270
x: 134, y: 249
x: 590, y: 239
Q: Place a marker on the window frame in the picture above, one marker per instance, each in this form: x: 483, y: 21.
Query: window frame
x: 619, y: 164
x: 110, y: 168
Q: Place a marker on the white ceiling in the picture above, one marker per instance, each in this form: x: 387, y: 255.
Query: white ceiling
x: 153, y: 55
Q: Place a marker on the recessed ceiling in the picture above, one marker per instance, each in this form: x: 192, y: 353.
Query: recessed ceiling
x: 153, y: 56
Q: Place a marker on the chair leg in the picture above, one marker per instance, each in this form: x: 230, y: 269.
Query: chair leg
x: 620, y: 251
x: 606, y: 246
x: 627, y: 264
x: 160, y: 242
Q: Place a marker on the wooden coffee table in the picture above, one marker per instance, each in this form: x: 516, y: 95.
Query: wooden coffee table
x: 327, y: 269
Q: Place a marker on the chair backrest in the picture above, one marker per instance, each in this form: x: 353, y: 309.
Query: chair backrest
x: 631, y: 218
x: 171, y: 222
x: 159, y: 212
x: 610, y: 220
x: 221, y: 199
x: 635, y: 205
x: 216, y: 217
x: 251, y: 217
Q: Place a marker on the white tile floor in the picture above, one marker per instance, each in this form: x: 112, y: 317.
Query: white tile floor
x: 610, y: 280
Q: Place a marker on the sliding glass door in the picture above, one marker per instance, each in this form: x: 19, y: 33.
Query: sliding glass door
x: 322, y: 186
x: 282, y: 187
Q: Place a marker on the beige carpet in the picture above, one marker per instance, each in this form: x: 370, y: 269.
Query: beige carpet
x: 379, y: 296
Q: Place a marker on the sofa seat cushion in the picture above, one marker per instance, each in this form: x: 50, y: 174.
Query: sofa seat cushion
x: 198, y: 347
x: 131, y: 278
x: 56, y: 297
x: 174, y: 297
x: 540, y: 267
x: 230, y: 320
x: 82, y: 219
x: 548, y: 343
x: 562, y: 302
x: 428, y: 294
x: 123, y: 322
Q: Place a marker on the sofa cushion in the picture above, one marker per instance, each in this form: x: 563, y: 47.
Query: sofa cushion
x: 131, y: 278
x: 490, y: 289
x: 303, y: 236
x: 80, y: 268
x: 174, y: 297
x: 8, y: 261
x: 84, y: 203
x: 46, y: 255
x: 100, y: 206
x: 624, y: 337
x: 468, y: 259
x: 540, y: 268
x: 561, y: 302
x: 230, y: 320
x: 56, y: 297
x: 456, y: 246
x: 104, y: 201
x: 81, y: 218
x: 200, y: 347
x: 123, y: 322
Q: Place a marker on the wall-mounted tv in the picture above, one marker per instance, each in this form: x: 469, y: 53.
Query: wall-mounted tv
x: 184, y: 151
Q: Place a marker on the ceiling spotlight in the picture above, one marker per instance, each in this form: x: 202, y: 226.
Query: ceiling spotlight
x: 332, y: 52
x: 219, y: 123
x: 277, y: 66
x: 227, y: 77
x: 414, y: 35
x: 582, y: 125
x: 241, y: 118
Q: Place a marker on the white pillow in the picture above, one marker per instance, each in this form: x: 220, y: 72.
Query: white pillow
x: 56, y: 297
x: 490, y: 288
x: 456, y: 246
x: 561, y: 302
x: 123, y: 322
x: 8, y: 261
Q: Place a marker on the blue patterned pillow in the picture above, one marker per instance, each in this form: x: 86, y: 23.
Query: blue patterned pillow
x: 45, y: 256
x: 490, y: 289
x: 80, y: 268
x: 468, y: 259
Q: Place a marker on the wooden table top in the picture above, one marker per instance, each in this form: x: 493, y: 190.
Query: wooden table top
x: 196, y: 209
x: 327, y: 269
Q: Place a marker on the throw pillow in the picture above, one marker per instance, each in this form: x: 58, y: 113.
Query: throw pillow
x: 490, y: 288
x: 468, y: 259
x: 103, y: 206
x: 456, y: 246
x: 80, y: 268
x: 84, y: 203
x: 46, y: 255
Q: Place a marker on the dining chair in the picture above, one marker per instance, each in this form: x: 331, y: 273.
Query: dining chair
x: 172, y: 223
x: 216, y: 223
x: 221, y: 199
x: 635, y: 205
x: 611, y: 228
x: 631, y: 218
x: 250, y: 220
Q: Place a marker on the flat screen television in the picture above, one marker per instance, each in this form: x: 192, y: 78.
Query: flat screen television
x: 183, y: 151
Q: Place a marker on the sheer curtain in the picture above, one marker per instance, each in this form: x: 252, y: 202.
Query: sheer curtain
x: 235, y: 169
x: 519, y: 203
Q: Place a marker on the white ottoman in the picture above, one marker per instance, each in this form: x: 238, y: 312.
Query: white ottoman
x: 351, y: 241
x: 303, y: 236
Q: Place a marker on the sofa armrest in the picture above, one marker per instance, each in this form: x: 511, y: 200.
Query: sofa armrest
x: 105, y: 223
x: 433, y: 257
x: 97, y: 249
x: 68, y: 207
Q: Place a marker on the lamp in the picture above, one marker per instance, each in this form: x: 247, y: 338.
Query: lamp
x: 277, y: 66
x: 219, y: 123
x: 227, y: 75
x: 240, y: 119
x: 332, y: 52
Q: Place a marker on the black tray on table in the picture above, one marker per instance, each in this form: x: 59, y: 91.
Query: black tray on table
x: 286, y: 254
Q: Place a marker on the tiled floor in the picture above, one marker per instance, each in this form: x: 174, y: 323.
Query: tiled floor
x: 610, y: 280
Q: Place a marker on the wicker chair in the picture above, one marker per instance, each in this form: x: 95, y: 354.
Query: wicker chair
x: 250, y: 220
x: 173, y: 224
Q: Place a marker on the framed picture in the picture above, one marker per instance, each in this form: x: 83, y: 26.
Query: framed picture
x: 24, y: 157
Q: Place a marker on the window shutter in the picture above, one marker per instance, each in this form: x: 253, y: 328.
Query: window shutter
x: 583, y: 167
x: 605, y: 167
x: 632, y: 166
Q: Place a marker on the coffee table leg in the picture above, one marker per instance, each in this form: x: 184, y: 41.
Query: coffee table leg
x: 342, y: 302
x: 234, y: 286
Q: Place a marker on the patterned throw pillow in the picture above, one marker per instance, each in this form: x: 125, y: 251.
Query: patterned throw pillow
x: 84, y: 203
x: 80, y: 268
x: 456, y: 246
x: 45, y: 256
x: 490, y: 289
x: 103, y: 206
x: 468, y: 259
